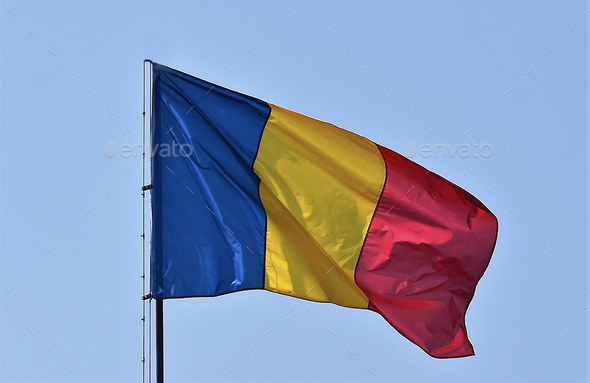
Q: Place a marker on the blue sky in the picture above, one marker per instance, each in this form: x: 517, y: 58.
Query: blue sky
x: 511, y: 75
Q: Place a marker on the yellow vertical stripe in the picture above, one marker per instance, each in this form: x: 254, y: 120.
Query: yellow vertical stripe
x: 319, y: 186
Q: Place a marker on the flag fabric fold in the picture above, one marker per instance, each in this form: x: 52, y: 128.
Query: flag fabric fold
x: 249, y: 195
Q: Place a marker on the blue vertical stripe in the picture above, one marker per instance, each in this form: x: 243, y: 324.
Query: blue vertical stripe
x: 208, y: 223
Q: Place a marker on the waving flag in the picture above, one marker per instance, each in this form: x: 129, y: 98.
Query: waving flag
x: 249, y: 195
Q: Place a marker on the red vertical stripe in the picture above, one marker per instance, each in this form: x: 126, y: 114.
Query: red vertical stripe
x: 429, y: 244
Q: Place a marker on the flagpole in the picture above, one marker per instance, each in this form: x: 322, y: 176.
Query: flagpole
x: 143, y: 294
x: 159, y: 302
x: 159, y: 341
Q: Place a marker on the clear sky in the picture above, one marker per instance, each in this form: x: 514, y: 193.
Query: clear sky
x: 508, y: 74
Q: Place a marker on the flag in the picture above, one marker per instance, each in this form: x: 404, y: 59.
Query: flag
x: 249, y: 195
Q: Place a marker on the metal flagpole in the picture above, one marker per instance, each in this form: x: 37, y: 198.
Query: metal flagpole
x: 159, y: 302
x: 159, y: 341
x: 143, y: 231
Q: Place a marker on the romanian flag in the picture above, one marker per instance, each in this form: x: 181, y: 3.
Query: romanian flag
x: 249, y: 195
